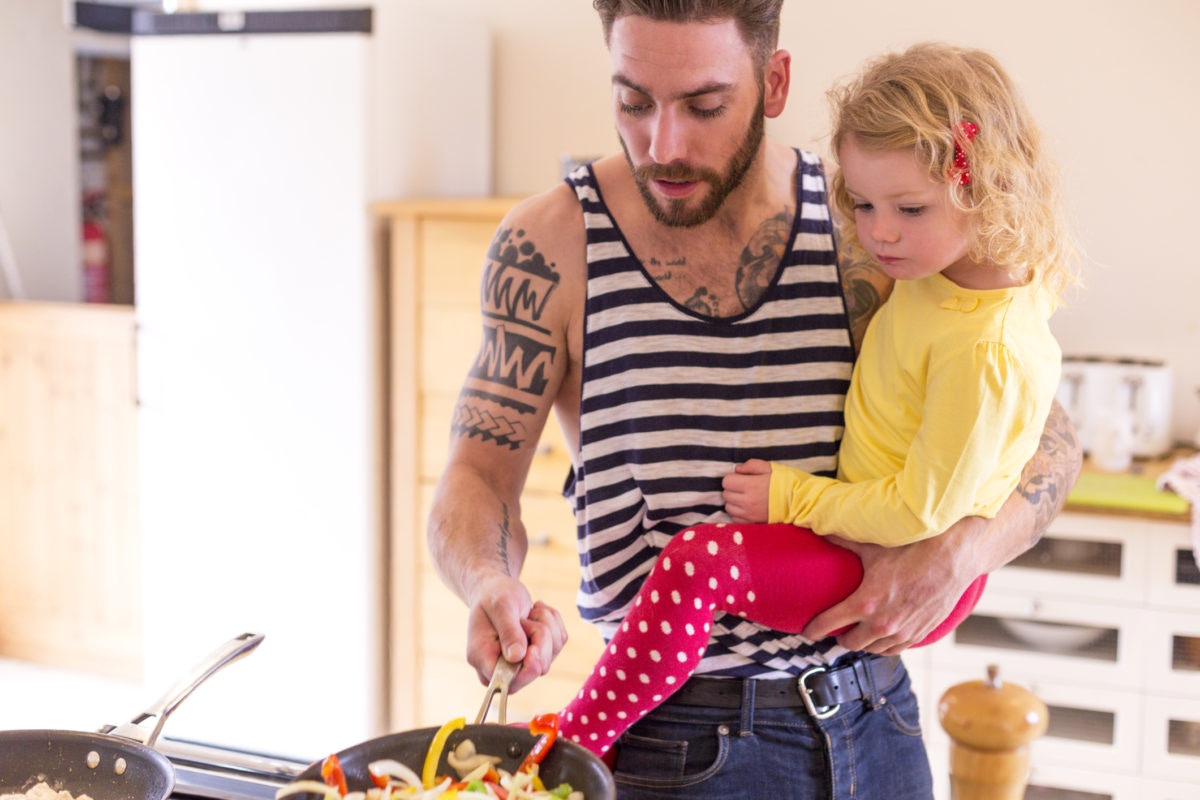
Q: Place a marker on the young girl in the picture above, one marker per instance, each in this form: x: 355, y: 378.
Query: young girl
x: 943, y: 182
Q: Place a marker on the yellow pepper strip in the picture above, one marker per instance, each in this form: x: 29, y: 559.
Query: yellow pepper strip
x: 429, y: 773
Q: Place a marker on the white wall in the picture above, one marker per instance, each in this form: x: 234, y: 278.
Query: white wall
x: 1113, y: 82
x: 1115, y: 85
x: 39, y: 173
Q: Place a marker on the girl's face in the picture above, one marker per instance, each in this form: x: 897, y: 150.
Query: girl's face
x: 905, y: 218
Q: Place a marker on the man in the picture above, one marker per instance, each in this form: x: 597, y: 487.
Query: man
x: 682, y: 312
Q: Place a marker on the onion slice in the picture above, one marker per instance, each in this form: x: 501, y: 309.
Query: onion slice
x: 316, y: 787
x: 393, y: 768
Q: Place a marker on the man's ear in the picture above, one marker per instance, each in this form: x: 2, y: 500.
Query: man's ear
x: 777, y: 78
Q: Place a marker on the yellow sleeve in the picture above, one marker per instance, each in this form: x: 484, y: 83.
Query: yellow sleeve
x: 978, y: 429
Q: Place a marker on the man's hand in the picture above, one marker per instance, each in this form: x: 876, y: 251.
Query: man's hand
x: 905, y: 592
x: 747, y: 491
x: 503, y: 618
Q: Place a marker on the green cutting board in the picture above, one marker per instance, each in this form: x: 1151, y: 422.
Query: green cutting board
x: 1125, y: 492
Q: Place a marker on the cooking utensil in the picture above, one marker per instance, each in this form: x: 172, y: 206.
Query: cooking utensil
x: 566, y: 762
x: 117, y: 765
x: 502, y: 677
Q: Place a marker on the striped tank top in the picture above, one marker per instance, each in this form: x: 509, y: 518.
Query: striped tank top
x: 671, y: 400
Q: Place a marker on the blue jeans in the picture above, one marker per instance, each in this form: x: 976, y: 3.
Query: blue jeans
x: 871, y: 750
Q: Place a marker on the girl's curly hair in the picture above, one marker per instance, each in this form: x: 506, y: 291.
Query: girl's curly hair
x: 918, y: 100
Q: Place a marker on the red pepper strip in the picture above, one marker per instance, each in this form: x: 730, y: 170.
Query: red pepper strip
x: 331, y: 772
x: 497, y: 789
x: 380, y: 780
x: 545, y: 726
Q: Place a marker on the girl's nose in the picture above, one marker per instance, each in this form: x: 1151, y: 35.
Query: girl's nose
x: 884, y: 228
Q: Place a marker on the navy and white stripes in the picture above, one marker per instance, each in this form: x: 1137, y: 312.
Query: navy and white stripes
x: 672, y: 400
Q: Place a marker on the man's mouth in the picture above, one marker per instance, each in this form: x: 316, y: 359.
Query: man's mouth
x: 674, y: 189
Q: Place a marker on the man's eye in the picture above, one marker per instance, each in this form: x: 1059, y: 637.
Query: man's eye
x: 709, y: 113
x: 634, y: 109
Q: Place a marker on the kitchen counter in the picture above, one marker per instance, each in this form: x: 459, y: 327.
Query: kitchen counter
x: 1133, y: 493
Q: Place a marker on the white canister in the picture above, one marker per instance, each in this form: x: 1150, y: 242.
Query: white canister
x: 1115, y: 394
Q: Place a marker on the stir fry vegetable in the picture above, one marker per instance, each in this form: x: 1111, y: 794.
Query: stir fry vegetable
x: 435, y: 750
x: 478, y: 775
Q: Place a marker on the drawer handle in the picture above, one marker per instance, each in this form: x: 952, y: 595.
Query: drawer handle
x: 540, y: 539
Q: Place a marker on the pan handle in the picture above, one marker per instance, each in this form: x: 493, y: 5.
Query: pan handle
x: 232, y: 650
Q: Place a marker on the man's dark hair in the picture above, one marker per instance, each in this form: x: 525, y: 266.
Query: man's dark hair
x: 757, y: 20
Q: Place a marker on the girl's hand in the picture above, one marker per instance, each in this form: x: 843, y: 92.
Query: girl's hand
x: 747, y: 490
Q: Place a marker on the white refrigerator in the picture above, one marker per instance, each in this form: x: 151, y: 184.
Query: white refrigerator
x: 260, y: 350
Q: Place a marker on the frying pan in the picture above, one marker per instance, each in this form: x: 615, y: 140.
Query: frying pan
x: 566, y: 762
x: 120, y: 764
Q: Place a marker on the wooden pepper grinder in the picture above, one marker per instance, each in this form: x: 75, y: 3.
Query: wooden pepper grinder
x: 991, y: 726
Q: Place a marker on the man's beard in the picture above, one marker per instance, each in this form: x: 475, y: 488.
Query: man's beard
x: 675, y: 213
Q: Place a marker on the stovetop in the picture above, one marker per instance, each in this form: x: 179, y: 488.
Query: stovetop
x: 221, y: 773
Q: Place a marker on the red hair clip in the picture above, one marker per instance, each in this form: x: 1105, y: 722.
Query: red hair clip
x: 961, y: 165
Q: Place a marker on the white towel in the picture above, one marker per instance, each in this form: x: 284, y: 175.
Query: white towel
x: 1183, y: 478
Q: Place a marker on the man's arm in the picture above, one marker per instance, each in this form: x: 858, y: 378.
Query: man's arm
x: 865, y: 287
x: 906, y: 591
x: 475, y: 533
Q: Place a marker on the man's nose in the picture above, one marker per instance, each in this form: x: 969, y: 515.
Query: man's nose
x: 668, y: 140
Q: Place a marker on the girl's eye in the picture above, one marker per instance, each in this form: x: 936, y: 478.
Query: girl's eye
x: 863, y: 207
x: 912, y: 211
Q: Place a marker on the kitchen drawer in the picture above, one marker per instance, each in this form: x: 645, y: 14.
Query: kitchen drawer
x: 1049, y: 781
x: 1172, y: 739
x: 453, y: 253
x: 1088, y: 727
x: 1110, y: 639
x: 1053, y: 782
x: 1173, y: 653
x: 448, y: 343
x: 1174, y: 579
x: 1083, y: 556
x: 547, y: 472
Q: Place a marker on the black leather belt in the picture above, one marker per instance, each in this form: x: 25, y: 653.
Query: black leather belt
x: 820, y: 689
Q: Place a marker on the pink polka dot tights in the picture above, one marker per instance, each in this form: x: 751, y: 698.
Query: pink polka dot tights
x: 780, y: 576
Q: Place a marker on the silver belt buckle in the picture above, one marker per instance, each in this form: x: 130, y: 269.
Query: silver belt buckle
x: 822, y: 712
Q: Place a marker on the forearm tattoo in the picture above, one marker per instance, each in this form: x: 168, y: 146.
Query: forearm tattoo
x: 510, y: 372
x: 1049, y: 477
x: 505, y: 538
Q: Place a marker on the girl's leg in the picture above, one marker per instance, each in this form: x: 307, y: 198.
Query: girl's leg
x: 776, y: 575
x: 780, y: 576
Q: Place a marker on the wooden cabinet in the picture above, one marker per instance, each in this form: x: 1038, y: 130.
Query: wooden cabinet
x: 1102, y: 621
x: 71, y: 593
x: 435, y: 253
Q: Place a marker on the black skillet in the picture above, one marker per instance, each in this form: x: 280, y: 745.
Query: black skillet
x: 566, y: 762
x: 121, y: 765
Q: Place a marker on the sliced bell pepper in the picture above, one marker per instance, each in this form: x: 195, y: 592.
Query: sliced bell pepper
x: 332, y: 774
x: 434, y: 755
x: 545, y: 727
